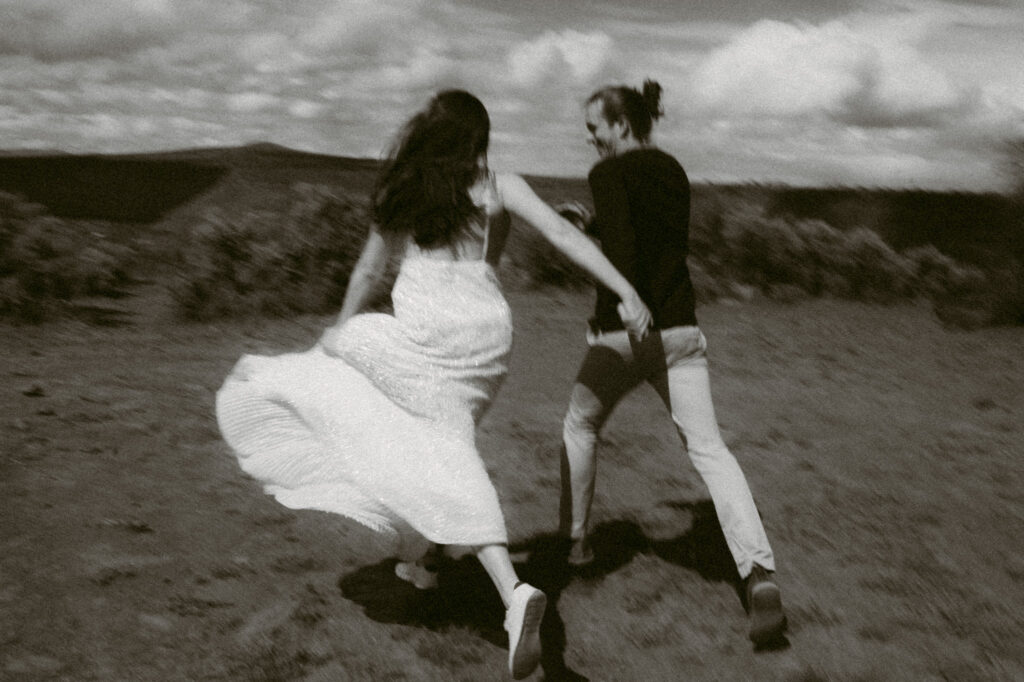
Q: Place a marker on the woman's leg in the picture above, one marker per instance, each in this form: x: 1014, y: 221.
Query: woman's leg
x: 422, y: 570
x: 498, y: 564
x: 524, y: 609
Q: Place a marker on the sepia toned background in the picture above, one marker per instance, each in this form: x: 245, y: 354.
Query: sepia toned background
x: 185, y: 182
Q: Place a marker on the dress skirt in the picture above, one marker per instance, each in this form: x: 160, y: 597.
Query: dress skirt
x: 377, y: 421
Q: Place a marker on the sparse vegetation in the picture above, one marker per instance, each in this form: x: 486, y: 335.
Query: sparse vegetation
x: 266, y: 263
x: 881, y: 448
x: 292, y: 254
x: 738, y: 248
x: 46, y: 262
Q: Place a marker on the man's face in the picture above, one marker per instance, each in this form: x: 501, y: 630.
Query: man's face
x: 604, y: 137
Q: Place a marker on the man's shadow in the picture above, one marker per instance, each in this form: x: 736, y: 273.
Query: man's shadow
x: 465, y: 596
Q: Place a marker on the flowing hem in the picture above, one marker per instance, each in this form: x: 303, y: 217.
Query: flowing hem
x: 307, y: 426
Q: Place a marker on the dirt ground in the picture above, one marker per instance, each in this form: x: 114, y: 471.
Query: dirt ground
x: 884, y: 452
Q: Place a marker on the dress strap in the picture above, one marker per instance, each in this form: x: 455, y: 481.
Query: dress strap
x: 490, y: 207
x: 487, y: 237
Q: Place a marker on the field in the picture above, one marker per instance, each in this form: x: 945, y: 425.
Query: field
x: 883, y: 448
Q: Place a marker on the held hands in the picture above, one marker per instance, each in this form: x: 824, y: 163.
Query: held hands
x: 635, y: 316
x: 577, y: 214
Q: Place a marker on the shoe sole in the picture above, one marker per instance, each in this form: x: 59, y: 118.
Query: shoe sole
x: 767, y: 618
x: 421, y: 579
x: 527, y: 654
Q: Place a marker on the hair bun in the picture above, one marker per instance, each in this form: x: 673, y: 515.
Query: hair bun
x: 652, y: 98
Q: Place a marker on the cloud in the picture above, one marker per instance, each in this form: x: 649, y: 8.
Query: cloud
x: 248, y: 102
x: 555, y: 55
x: 304, y: 108
x: 424, y: 69
x: 369, y: 27
x: 849, y: 72
x: 55, y: 30
x: 274, y: 35
x: 774, y: 99
x: 830, y: 153
x: 918, y: 94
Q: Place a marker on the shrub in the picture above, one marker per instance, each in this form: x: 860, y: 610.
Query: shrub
x: 299, y: 261
x: 871, y: 269
x: 46, y: 262
x: 761, y: 250
x: 983, y: 298
x: 706, y: 287
x: 938, y: 275
x: 531, y: 259
x: 777, y: 255
x: 273, y: 264
x: 707, y: 241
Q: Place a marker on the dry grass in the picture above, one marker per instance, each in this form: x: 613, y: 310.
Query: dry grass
x: 883, y: 450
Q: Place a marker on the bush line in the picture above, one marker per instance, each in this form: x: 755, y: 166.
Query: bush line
x: 269, y: 263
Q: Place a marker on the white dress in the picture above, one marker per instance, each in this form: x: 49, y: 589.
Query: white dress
x: 377, y: 421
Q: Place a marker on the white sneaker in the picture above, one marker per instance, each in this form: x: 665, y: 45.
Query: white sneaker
x: 522, y: 622
x: 416, y: 573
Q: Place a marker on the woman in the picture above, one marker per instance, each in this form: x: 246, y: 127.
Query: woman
x: 377, y: 421
x: 641, y: 217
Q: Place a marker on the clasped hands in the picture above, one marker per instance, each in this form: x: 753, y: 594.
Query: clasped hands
x: 636, y: 317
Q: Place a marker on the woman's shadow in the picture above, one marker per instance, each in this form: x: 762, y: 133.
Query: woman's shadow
x: 465, y: 596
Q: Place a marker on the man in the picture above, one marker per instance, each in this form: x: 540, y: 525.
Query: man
x: 642, y: 201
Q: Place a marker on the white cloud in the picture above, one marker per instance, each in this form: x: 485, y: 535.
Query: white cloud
x: 1005, y: 101
x: 830, y: 153
x: 767, y: 100
x: 554, y: 55
x: 182, y: 98
x: 839, y: 69
x: 304, y: 108
x: 371, y: 28
x: 53, y: 30
x: 251, y: 101
x: 271, y: 52
x: 51, y: 97
x: 104, y: 125
x: 424, y: 68
x: 918, y: 94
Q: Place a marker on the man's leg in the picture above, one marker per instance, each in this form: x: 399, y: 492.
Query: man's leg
x: 689, y: 400
x: 605, y: 376
x: 685, y: 387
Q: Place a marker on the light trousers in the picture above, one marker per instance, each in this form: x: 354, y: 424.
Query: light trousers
x: 674, y: 362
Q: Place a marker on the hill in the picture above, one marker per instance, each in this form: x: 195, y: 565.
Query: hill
x: 143, y: 188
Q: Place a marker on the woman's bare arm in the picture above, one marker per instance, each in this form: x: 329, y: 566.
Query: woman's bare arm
x: 520, y: 198
x: 367, y: 274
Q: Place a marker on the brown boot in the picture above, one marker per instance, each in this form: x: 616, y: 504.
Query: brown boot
x: 767, y: 619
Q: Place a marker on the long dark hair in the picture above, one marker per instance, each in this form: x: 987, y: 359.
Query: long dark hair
x: 423, y: 189
x: 639, y: 108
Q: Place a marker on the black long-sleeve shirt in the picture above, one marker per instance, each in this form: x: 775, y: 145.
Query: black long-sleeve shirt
x: 642, y: 219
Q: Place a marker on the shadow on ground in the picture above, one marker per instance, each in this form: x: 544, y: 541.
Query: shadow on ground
x: 466, y: 598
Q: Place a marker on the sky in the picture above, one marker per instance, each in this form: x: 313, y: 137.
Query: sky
x: 875, y: 93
